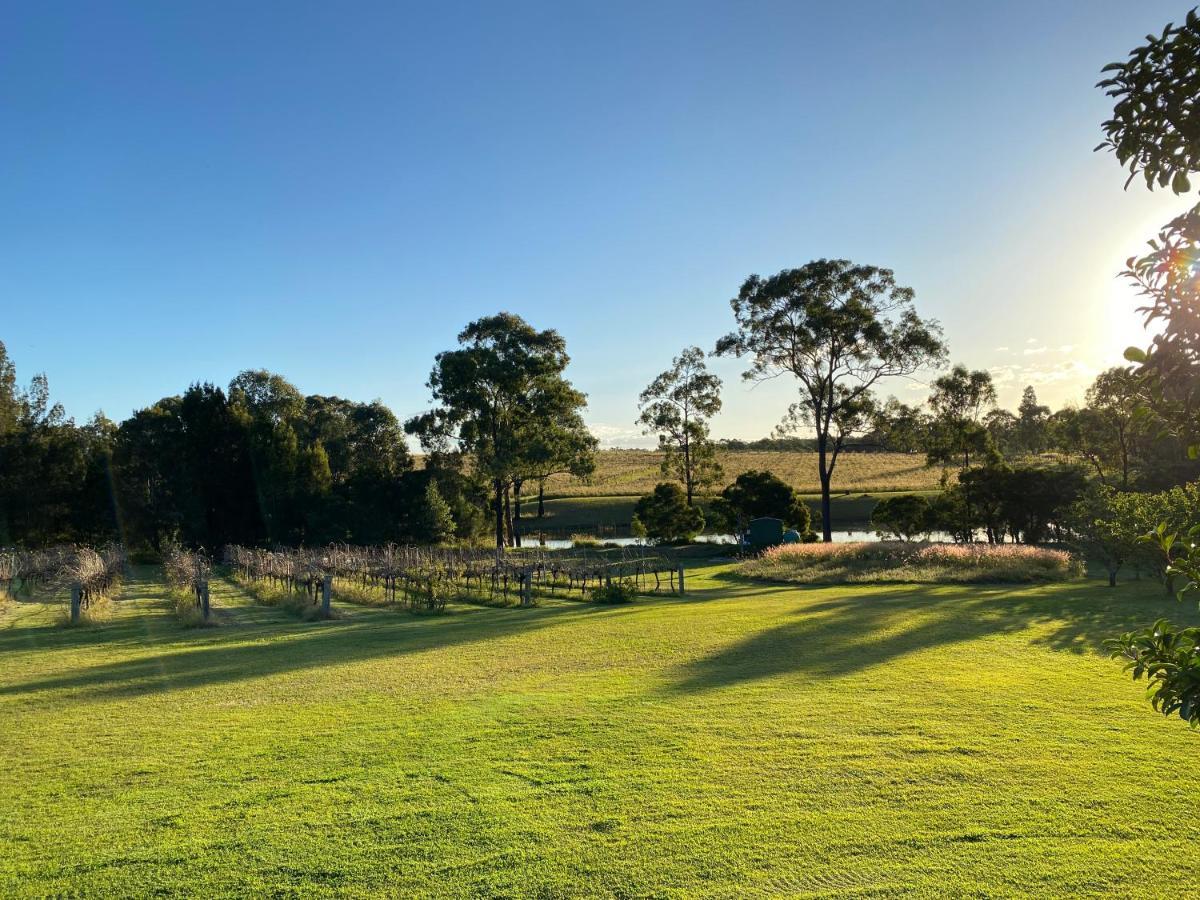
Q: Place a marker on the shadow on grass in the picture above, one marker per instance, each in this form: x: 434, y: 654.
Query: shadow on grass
x: 222, y: 655
x: 872, y: 625
x: 830, y: 632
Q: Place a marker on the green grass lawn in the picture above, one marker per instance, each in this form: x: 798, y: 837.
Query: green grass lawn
x: 747, y: 740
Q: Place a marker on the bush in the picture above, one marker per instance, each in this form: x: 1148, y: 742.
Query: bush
x: 665, y: 516
x: 906, y: 516
x: 614, y: 592
x: 904, y: 561
x: 584, y: 541
x: 754, y: 494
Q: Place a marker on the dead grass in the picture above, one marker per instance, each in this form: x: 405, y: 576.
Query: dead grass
x: 636, y: 472
x: 912, y: 562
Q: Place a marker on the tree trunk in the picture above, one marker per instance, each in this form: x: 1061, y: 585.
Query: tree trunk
x: 687, y: 464
x: 499, y: 504
x: 1112, y: 577
x: 517, y: 512
x: 508, y: 527
x: 541, y: 498
x: 826, y: 504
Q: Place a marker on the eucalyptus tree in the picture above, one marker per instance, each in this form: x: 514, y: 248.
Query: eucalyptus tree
x: 568, y: 447
x: 676, y: 406
x: 483, y: 389
x: 1108, y: 431
x: 900, y: 427
x: 555, y: 441
x: 839, y: 329
x: 959, y: 400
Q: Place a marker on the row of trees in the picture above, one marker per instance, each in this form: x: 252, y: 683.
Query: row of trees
x: 960, y: 427
x: 260, y: 463
x: 257, y: 463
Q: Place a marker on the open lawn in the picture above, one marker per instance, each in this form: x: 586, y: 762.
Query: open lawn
x: 636, y: 472
x: 746, y: 740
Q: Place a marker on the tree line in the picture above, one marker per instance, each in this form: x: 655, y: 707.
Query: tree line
x: 256, y: 463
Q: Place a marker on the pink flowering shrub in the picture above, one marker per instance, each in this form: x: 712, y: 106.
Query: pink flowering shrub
x: 898, y: 561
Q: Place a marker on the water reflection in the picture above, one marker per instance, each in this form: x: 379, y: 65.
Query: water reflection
x: 841, y: 536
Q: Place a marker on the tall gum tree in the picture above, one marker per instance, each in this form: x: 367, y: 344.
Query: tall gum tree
x: 503, y: 381
x: 839, y: 329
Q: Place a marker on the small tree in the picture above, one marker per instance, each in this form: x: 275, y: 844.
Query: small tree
x: 754, y: 494
x: 434, y: 519
x: 899, y: 427
x: 906, y: 516
x: 677, y: 406
x: 1112, y: 423
x: 839, y: 329
x: 1101, y: 530
x: 1032, y: 417
x: 665, y: 515
x: 958, y: 402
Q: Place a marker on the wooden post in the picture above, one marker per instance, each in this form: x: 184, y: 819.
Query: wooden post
x: 76, y: 596
x: 681, y: 578
x: 527, y: 588
x: 326, y: 593
x: 204, y: 604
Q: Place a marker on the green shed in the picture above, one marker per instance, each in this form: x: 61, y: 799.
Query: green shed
x: 764, y: 532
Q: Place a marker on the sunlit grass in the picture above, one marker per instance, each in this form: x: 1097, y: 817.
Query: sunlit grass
x: 747, y: 740
x: 635, y: 472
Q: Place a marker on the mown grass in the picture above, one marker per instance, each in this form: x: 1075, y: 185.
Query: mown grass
x: 749, y: 740
x: 877, y: 562
x: 635, y: 472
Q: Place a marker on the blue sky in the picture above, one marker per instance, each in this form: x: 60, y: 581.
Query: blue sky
x: 332, y: 191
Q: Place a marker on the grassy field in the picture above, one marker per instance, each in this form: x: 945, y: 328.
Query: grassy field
x: 749, y: 740
x: 584, y: 513
x: 636, y: 472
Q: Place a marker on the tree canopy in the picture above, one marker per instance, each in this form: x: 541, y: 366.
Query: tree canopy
x: 676, y: 406
x: 839, y: 328
x: 499, y: 388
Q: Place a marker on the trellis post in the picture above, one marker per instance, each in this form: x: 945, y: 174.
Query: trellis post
x: 76, y: 600
x: 204, y: 603
x: 681, y: 578
x: 326, y: 593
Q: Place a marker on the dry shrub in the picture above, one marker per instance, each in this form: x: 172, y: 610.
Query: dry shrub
x: 898, y: 561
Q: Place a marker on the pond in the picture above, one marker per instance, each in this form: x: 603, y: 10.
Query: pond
x: 840, y: 536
